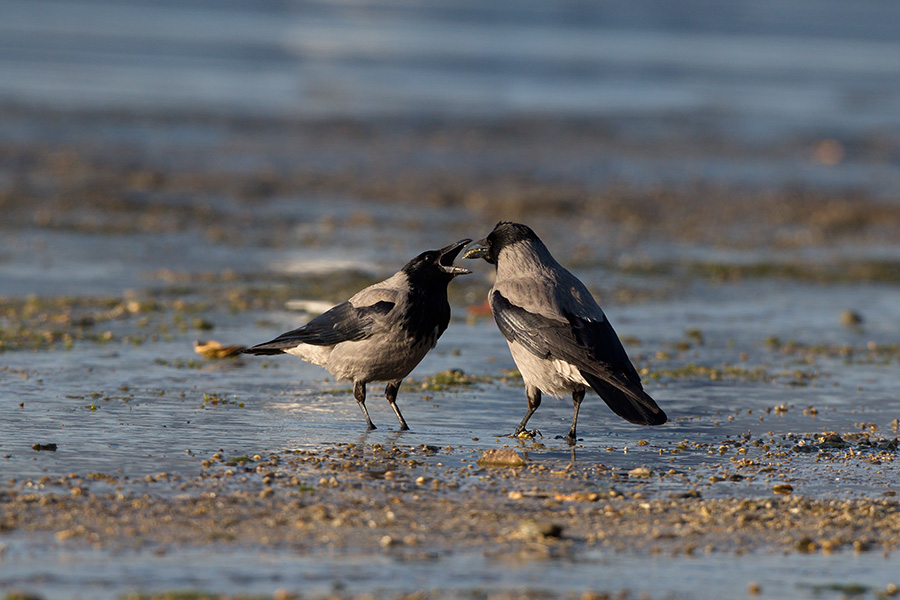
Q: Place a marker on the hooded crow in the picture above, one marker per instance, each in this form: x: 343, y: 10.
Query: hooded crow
x: 382, y: 332
x: 558, y: 336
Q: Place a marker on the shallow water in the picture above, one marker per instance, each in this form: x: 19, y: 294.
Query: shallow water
x: 263, y: 572
x: 137, y: 410
x: 140, y: 408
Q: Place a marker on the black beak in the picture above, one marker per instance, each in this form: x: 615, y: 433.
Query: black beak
x: 449, y: 254
x: 479, y: 251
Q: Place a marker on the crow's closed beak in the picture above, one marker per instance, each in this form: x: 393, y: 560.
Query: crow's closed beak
x: 479, y: 251
x: 449, y: 254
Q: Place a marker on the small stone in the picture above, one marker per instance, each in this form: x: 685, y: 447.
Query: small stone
x: 754, y: 589
x: 502, y: 457
x: 832, y: 439
x: 66, y: 534
x: 578, y: 497
x: 533, y: 529
x: 639, y: 473
x: 783, y: 489
x: 851, y: 318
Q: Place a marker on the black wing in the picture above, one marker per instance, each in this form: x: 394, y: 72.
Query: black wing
x: 343, y: 323
x: 592, y: 346
x: 602, y: 344
x: 578, y: 341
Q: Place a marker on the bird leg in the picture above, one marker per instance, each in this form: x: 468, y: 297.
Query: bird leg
x: 359, y: 392
x: 534, y: 400
x: 390, y: 392
x: 577, y: 397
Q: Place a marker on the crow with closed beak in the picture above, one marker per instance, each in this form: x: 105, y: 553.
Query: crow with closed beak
x: 558, y: 335
x: 382, y: 332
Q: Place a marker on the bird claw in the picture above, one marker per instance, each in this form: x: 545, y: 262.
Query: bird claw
x: 569, y: 440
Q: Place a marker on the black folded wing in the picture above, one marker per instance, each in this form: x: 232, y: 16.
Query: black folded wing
x: 590, y: 345
x: 343, y: 323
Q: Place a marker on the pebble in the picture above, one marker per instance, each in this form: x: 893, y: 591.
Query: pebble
x: 503, y: 457
x: 536, y: 529
x: 851, y: 318
x: 783, y: 489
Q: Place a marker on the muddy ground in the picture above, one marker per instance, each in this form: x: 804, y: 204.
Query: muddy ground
x: 761, y: 315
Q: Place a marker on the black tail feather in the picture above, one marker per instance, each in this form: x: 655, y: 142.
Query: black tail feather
x: 262, y: 351
x: 627, y: 400
x: 270, y: 348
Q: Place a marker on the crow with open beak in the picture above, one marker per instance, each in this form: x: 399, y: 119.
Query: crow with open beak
x: 382, y: 332
x: 558, y: 336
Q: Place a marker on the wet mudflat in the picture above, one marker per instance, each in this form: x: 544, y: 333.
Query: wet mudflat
x: 765, y: 322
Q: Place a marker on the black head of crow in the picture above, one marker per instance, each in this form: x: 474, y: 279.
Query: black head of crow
x: 558, y: 335
x: 428, y: 276
x: 435, y: 267
x: 505, y: 234
x: 382, y: 332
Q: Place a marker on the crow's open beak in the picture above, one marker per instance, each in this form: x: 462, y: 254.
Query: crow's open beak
x: 449, y: 254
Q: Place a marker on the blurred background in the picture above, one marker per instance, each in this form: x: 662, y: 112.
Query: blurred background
x: 644, y: 128
x: 799, y: 63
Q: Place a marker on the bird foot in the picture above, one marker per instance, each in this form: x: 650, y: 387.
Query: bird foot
x: 569, y: 440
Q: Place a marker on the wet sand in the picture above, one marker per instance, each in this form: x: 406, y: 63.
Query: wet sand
x: 762, y: 316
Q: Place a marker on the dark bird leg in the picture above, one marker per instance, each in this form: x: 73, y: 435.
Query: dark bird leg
x: 390, y: 392
x: 577, y: 397
x: 534, y: 401
x: 359, y: 392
